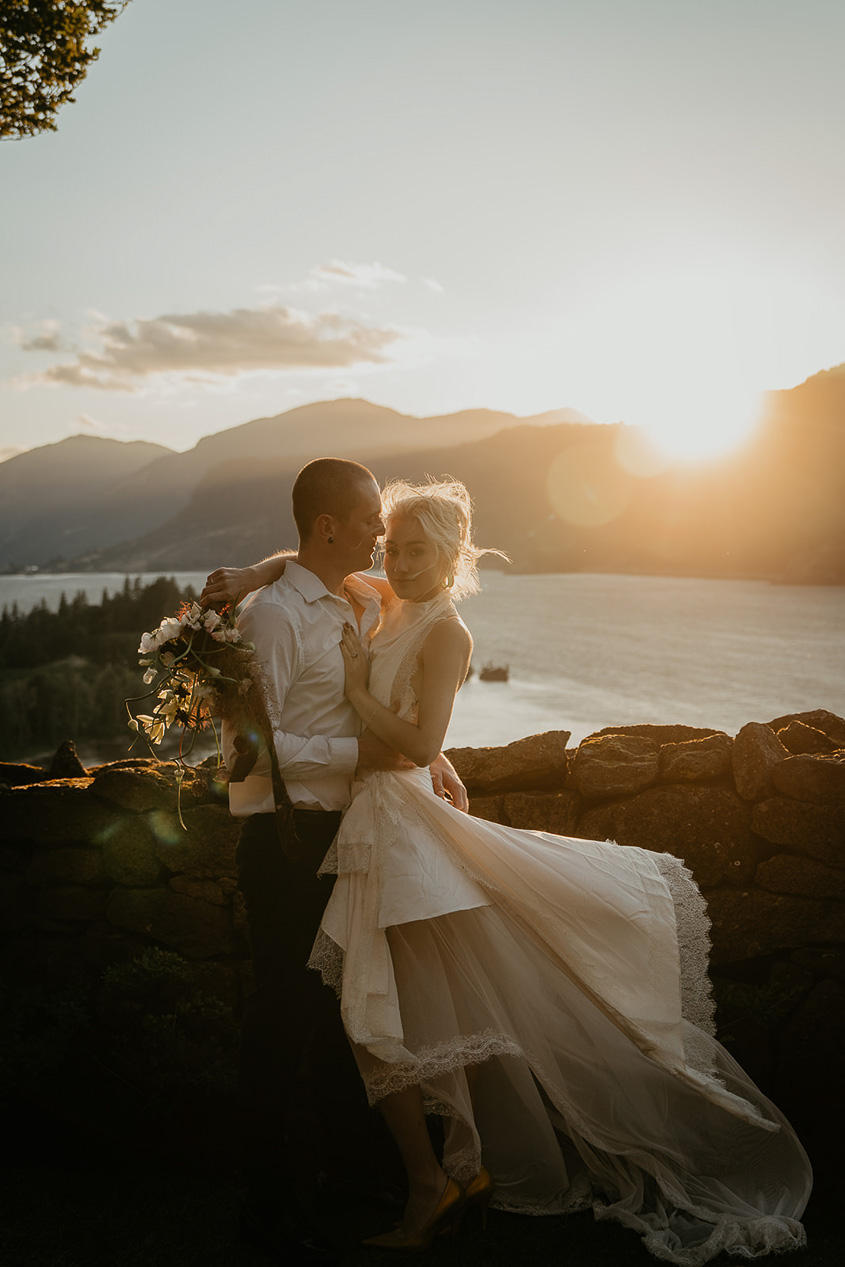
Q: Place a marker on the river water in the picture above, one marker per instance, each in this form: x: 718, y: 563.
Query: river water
x: 588, y: 651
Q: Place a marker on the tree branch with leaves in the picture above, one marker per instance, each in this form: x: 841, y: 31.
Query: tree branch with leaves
x: 44, y: 58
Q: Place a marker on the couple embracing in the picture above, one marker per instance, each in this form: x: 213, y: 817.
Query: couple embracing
x: 547, y: 996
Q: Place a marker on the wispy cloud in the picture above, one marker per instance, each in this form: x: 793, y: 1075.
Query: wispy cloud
x: 47, y: 339
x: 431, y: 284
x: 335, y: 274
x: 87, y: 425
x: 363, y: 276
x: 221, y: 344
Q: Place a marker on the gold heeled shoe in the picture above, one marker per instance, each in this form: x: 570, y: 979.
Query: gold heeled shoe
x: 446, y: 1215
x: 477, y: 1195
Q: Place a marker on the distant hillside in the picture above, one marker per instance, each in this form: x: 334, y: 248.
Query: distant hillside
x: 52, y: 506
x: 774, y: 509
x: 50, y: 497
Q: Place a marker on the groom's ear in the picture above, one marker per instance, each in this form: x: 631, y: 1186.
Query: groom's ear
x: 325, y: 526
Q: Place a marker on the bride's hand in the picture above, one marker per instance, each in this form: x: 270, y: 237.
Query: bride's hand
x: 226, y: 587
x: 354, y: 660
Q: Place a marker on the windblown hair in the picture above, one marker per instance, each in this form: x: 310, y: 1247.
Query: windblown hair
x: 326, y: 486
x: 444, y: 510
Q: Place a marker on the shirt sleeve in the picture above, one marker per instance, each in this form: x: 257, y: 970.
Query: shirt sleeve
x: 278, y: 649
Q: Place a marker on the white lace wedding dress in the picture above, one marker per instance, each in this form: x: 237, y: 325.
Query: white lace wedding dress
x: 550, y: 995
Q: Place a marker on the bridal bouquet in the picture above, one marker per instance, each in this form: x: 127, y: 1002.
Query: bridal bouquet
x: 198, y: 668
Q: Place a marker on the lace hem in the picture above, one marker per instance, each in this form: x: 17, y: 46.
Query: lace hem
x: 769, y: 1234
x: 433, y: 1062
x: 327, y: 958
x: 693, y: 928
x: 578, y: 1197
x: 329, y: 865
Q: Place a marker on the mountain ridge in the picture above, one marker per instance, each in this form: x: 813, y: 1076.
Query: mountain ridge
x: 554, y: 495
x: 121, y: 508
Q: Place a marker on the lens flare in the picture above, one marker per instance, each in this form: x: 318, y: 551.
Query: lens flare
x: 586, y: 487
x: 637, y: 454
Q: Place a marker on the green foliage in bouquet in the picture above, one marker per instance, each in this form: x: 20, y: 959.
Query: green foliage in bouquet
x: 199, y: 668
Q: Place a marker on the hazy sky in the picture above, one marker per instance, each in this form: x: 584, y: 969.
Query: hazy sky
x: 631, y: 207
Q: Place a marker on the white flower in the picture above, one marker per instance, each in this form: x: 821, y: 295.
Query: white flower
x: 169, y: 709
x: 154, y: 727
x: 147, y: 644
x: 211, y: 620
x: 212, y: 670
x: 169, y: 628
x: 149, y: 676
x: 191, y: 618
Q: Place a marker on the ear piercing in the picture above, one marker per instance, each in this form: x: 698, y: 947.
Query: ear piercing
x: 330, y: 540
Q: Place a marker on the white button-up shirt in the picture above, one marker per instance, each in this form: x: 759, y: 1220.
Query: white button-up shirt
x: 296, y: 625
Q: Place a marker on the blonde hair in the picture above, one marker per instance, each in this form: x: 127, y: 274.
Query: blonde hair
x: 444, y: 511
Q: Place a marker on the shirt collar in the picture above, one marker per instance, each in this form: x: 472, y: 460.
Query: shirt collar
x: 309, y: 585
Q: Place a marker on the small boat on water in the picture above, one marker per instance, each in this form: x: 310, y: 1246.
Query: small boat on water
x: 494, y: 673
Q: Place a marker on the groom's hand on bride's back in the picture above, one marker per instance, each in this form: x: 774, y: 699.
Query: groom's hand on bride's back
x: 373, y: 754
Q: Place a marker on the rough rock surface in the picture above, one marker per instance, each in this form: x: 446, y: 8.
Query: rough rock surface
x: 603, y: 822
x: 814, y: 1037
x: 205, y: 889
x: 695, y: 760
x: 555, y: 812
x: 18, y: 774
x: 798, y: 738
x: 141, y: 785
x: 54, y: 812
x: 750, y: 923
x: 707, y: 827
x: 72, y: 902
x: 815, y: 830
x: 820, y: 778
x: 96, y: 870
x: 206, y: 850
x: 659, y: 734
x: 820, y: 719
x: 755, y: 753
x: 71, y: 864
x: 128, y: 853
x: 801, y: 876
x: 491, y: 808
x: 614, y: 765
x: 66, y: 763
x: 537, y: 763
x: 194, y: 928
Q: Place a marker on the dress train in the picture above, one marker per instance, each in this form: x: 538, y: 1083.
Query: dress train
x: 550, y: 996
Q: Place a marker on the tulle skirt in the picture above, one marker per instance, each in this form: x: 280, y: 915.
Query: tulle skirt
x: 497, y: 1010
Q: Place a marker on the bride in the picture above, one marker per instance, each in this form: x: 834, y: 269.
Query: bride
x: 546, y: 995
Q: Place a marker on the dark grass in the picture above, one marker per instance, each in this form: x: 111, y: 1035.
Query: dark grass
x: 65, y: 1206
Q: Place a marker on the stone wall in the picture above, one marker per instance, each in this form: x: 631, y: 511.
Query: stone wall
x: 95, y: 865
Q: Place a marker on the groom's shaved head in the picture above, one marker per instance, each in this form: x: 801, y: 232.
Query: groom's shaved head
x: 327, y: 486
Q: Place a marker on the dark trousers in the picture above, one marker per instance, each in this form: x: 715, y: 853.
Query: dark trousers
x: 299, y: 1086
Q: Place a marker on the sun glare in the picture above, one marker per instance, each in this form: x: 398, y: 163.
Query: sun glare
x: 692, y: 425
x: 688, y: 342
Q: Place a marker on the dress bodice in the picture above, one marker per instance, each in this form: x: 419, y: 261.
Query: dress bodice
x: 396, y: 648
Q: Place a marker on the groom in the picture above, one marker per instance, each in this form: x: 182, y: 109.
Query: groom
x: 297, y: 1074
